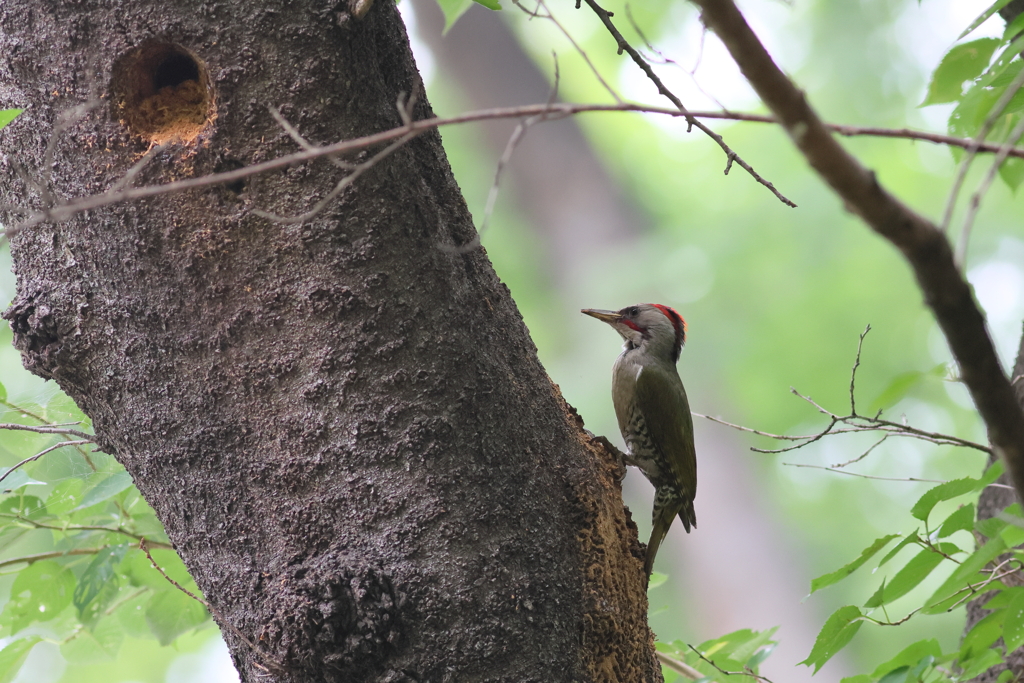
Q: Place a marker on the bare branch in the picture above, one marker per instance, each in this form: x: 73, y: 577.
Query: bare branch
x: 678, y: 666
x: 29, y: 559
x: 48, y: 429
x: 40, y: 454
x: 986, y: 127
x: 853, y: 373
x: 582, y: 53
x: 975, y: 203
x: 728, y: 673
x: 66, y: 210
x: 271, y: 663
x: 691, y: 120
x: 76, y: 527
x: 359, y: 170
x: 662, y: 59
x: 129, y: 176
x: 921, y: 242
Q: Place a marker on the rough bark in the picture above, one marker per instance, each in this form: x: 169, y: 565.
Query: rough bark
x: 342, y: 424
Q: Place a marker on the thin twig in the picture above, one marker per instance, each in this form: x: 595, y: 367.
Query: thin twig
x: 305, y: 144
x: 47, y: 429
x: 53, y: 554
x: 340, y: 187
x: 550, y: 16
x: 131, y: 173
x: 662, y: 59
x: 919, y: 240
x: 678, y: 666
x: 975, y: 204
x: 69, y: 209
x: 853, y: 373
x: 47, y: 423
x: 26, y: 413
x: 731, y: 156
x: 76, y: 527
x: 840, y: 465
x: 277, y: 667
x: 728, y: 673
x: 40, y: 454
x: 972, y: 150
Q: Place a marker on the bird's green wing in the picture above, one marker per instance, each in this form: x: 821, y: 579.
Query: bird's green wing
x: 667, y: 416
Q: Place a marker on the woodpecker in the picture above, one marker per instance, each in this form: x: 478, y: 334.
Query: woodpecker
x: 653, y: 413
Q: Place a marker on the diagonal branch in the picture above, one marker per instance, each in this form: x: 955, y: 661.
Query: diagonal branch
x: 731, y: 156
x: 921, y: 242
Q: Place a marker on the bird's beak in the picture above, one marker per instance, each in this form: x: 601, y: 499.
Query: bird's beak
x: 606, y: 316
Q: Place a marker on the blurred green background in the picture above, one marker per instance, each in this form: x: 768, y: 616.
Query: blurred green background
x: 610, y: 209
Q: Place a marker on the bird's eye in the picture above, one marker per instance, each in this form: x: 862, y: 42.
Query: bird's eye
x: 633, y: 311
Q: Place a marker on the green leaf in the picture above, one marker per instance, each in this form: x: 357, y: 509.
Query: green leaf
x: 1013, y: 533
x: 132, y: 613
x: 489, y: 4
x: 40, y: 592
x: 982, y: 635
x: 961, y: 520
x: 844, y: 571
x: 6, y: 116
x: 980, y: 664
x: 966, y: 571
x: 1013, y: 627
x: 1013, y: 28
x: 98, y: 644
x: 994, y: 471
x: 64, y: 496
x: 140, y: 570
x: 1012, y: 170
x: 981, y: 18
x: 906, y: 579
x: 962, y: 63
x: 99, y: 583
x: 3, y: 392
x: 946, y: 491
x: 29, y: 507
x: 13, y: 656
x: 897, y: 675
x: 1003, y: 596
x: 907, y: 540
x: 16, y: 479
x: 106, y: 489
x: 171, y: 613
x: 910, y: 656
x: 901, y: 385
x: 657, y: 579
x: 741, y: 646
x: 838, y: 631
x: 453, y: 9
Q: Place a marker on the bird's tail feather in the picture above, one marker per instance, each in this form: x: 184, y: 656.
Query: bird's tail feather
x: 662, y: 521
x: 688, y: 515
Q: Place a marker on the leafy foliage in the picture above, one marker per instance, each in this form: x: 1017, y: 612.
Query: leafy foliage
x: 985, y: 570
x: 453, y: 9
x: 720, y: 659
x: 968, y: 76
x: 8, y: 115
x: 70, y: 526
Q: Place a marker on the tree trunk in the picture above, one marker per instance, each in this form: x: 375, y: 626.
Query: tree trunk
x: 341, y: 422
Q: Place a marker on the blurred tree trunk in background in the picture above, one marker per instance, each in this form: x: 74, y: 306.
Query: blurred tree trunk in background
x: 579, y: 211
x: 341, y: 422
